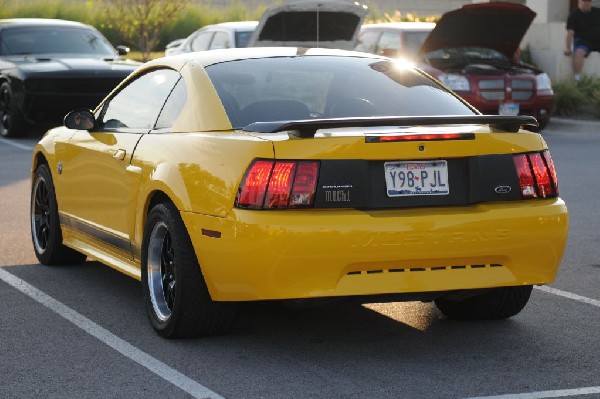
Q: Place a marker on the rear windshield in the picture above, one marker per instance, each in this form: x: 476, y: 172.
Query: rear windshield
x: 53, y: 40
x: 305, y: 87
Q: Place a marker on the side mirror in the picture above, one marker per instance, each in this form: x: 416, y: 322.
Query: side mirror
x: 81, y: 119
x: 123, y: 50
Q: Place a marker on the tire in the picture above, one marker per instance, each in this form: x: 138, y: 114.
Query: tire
x: 46, y: 234
x: 176, y: 297
x: 543, y: 124
x: 11, y: 123
x: 496, y: 304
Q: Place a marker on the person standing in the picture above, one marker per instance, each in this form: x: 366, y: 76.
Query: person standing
x: 583, y: 34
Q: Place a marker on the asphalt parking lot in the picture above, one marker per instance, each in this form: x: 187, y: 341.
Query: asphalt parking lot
x: 82, y: 332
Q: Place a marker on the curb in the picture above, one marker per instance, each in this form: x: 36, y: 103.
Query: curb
x: 579, y: 125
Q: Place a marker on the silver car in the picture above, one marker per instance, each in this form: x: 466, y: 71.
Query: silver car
x: 217, y: 36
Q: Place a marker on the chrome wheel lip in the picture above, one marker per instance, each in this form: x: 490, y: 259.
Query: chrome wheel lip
x: 159, y: 274
x: 40, y: 215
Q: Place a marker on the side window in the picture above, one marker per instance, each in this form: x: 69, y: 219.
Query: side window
x: 366, y: 41
x: 389, y: 44
x: 201, y: 41
x: 172, y: 107
x: 220, y: 40
x: 138, y: 104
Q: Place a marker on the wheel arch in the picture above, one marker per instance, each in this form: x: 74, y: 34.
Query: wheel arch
x: 38, y: 159
x: 153, y: 198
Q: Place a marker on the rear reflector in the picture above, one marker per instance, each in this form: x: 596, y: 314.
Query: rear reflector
x: 278, y: 185
x: 537, y: 177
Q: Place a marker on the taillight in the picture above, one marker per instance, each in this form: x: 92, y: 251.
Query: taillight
x: 253, y: 189
x: 279, y: 184
x: 537, y: 176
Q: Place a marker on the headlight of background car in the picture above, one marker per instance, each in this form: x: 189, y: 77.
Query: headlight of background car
x: 543, y: 82
x: 455, y: 82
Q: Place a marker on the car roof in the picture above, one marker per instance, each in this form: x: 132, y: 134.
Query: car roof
x: 206, y: 58
x: 39, y: 22
x: 235, y: 25
x: 420, y: 26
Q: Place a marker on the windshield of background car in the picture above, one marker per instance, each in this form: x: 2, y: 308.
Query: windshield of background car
x: 53, y: 40
x: 458, y: 54
x: 305, y: 87
x: 414, y: 40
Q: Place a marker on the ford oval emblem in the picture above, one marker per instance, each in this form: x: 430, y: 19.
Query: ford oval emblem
x: 502, y: 189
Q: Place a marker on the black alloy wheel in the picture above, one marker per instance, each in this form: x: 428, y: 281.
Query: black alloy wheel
x: 46, y: 234
x: 11, y: 124
x: 177, y: 300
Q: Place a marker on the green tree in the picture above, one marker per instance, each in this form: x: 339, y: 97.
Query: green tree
x: 139, y: 22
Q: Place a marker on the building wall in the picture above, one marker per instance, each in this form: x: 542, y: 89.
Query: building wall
x: 546, y: 41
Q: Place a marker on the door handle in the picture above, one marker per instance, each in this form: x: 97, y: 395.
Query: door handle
x: 120, y: 154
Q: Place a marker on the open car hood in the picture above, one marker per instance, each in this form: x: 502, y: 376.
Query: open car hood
x: 325, y: 23
x: 496, y: 25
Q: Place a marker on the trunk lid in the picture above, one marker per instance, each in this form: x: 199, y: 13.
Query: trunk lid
x: 329, y: 24
x: 475, y: 165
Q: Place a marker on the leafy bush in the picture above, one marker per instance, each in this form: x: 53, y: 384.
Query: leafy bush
x: 198, y: 14
x: 577, y: 98
x: 375, y: 17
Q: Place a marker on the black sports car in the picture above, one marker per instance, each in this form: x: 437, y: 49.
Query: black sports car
x: 48, y: 67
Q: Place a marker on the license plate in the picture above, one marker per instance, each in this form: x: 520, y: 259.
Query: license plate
x: 510, y: 109
x: 407, y: 178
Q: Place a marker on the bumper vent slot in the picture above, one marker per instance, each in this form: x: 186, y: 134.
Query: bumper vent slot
x: 425, y: 269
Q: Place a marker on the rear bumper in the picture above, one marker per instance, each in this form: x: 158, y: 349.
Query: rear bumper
x: 288, y: 254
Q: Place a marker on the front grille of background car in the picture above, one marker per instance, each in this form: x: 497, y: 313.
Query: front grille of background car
x: 494, y: 89
x: 83, y: 86
x: 522, y: 89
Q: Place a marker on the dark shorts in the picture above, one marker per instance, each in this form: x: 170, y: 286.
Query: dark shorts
x: 587, y: 45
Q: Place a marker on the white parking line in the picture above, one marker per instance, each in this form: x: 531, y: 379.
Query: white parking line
x: 545, y: 394
x: 569, y: 295
x: 563, y: 392
x: 17, y: 145
x: 159, y: 368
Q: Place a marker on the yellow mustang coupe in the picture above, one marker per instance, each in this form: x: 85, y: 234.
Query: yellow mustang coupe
x: 295, y: 174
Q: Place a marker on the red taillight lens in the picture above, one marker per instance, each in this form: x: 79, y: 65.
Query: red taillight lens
x: 253, y: 189
x: 550, y: 165
x: 279, y: 184
x: 542, y: 176
x: 537, y: 177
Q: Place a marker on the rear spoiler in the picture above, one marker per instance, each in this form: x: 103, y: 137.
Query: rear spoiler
x: 308, y: 127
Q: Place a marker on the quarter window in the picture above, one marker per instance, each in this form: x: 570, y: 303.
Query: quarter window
x: 201, y: 41
x: 172, y: 107
x: 367, y: 41
x: 138, y: 104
